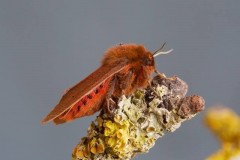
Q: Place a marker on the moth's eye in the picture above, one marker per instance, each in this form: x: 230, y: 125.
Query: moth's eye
x: 148, y: 61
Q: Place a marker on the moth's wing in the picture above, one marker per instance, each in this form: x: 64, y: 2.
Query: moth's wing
x: 83, y: 88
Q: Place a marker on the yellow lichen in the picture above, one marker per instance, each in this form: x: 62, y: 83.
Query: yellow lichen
x: 109, y: 128
x: 225, y: 124
x: 82, y: 152
x: 99, y: 121
x: 117, y: 135
x: 96, y: 146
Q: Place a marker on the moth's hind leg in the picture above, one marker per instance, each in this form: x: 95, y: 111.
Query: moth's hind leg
x: 118, y: 86
x: 109, y: 104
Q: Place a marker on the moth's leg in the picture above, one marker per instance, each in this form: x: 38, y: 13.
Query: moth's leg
x: 124, y: 83
x: 119, y: 83
x: 110, y: 103
x: 147, y: 77
x: 162, y: 75
x: 157, y: 72
x: 110, y: 106
x: 150, y: 83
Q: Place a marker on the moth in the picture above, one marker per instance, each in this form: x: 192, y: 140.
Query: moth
x: 124, y: 68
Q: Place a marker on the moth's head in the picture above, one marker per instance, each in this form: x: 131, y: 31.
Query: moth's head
x: 148, y: 57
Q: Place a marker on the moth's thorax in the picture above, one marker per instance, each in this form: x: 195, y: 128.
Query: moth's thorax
x: 130, y: 53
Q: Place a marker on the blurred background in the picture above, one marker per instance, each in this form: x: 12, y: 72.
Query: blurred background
x: 47, y: 46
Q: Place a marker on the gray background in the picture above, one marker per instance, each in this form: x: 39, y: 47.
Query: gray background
x: 47, y: 46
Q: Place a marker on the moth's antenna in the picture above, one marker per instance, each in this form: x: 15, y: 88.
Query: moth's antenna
x: 158, y: 52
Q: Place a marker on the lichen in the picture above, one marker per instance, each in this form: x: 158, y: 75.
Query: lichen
x: 225, y: 125
x: 139, y: 120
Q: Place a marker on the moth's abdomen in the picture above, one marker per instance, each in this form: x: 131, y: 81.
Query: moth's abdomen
x: 87, y: 105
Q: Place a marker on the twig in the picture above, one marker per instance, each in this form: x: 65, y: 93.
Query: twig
x: 139, y: 121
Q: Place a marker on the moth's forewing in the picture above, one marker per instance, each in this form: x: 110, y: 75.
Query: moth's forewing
x: 83, y: 88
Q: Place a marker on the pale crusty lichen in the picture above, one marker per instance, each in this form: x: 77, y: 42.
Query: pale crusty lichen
x: 225, y: 124
x: 139, y: 120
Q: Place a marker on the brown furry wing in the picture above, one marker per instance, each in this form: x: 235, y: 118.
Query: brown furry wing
x: 83, y: 88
